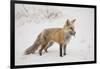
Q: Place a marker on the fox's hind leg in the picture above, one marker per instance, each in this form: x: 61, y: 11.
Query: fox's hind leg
x: 48, y: 45
x: 42, y: 47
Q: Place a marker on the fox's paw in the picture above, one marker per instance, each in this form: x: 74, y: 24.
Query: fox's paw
x: 61, y: 55
x: 64, y: 54
x: 46, y: 51
x: 40, y: 54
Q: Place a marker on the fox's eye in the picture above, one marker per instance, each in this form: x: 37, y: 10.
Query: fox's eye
x: 71, y: 28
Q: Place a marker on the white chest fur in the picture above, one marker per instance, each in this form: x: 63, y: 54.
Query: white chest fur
x: 67, y: 37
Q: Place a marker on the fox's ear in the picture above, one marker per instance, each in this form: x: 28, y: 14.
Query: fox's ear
x: 68, y: 22
x: 73, y: 20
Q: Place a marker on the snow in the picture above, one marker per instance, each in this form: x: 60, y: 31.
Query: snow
x: 27, y: 27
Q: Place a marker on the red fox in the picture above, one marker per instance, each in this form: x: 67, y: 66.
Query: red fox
x: 48, y: 36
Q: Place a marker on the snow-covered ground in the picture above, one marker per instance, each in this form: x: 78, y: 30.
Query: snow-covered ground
x: 29, y: 24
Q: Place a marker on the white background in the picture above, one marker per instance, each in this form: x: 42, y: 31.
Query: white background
x: 80, y: 48
x: 5, y: 34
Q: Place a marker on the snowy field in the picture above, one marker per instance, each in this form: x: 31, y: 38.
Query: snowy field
x: 30, y: 20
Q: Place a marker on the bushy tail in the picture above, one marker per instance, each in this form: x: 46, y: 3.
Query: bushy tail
x: 34, y: 47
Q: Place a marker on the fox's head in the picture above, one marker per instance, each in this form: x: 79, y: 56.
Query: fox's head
x: 69, y: 27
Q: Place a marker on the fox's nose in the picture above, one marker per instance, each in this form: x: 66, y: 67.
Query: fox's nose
x: 74, y: 33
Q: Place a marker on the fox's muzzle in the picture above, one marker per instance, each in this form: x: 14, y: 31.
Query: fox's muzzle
x: 73, y: 33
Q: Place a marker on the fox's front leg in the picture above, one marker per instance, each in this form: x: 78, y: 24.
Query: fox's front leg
x: 61, y: 50
x: 64, y: 49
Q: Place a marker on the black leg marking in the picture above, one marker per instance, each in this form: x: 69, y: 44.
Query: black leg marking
x: 40, y: 53
x: 65, y: 49
x: 42, y: 47
x: 61, y: 51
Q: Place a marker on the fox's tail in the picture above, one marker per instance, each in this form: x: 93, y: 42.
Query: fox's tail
x: 34, y: 47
